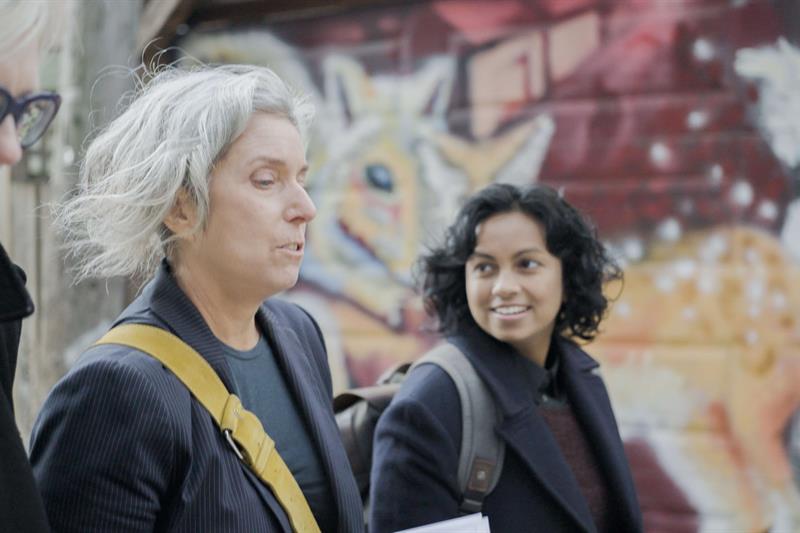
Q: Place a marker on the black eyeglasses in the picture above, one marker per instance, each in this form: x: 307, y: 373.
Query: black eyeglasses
x: 32, y: 114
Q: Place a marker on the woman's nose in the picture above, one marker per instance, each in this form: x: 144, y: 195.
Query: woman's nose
x: 10, y: 149
x: 302, y: 208
x: 505, y: 285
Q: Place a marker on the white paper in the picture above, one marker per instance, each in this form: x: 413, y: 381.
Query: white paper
x: 474, y: 523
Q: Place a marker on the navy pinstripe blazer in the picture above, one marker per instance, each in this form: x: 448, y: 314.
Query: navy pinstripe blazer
x: 120, y: 444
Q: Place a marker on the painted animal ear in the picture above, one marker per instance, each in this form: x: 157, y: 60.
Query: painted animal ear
x: 428, y: 91
x: 352, y: 93
x: 348, y: 89
x: 514, y: 156
x: 531, y: 141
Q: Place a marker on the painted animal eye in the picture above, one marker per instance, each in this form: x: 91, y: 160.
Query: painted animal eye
x: 379, y: 177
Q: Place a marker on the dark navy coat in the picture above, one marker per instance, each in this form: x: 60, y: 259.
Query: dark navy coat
x: 21, y: 508
x: 418, y: 438
x: 121, y: 445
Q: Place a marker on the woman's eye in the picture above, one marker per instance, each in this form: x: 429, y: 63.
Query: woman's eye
x: 263, y: 179
x: 483, y: 268
x: 529, y: 264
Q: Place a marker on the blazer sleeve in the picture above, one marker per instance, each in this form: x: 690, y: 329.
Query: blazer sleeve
x: 103, y: 449
x: 415, y: 454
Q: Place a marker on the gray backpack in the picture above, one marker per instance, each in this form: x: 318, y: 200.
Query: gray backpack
x: 482, y: 452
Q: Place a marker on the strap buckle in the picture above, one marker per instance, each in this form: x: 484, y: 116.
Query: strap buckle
x: 229, y: 437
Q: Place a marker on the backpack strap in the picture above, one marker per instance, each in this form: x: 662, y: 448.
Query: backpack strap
x: 241, y: 428
x: 480, y: 460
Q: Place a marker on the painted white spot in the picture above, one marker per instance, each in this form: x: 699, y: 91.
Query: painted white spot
x: 716, y: 174
x: 696, y: 119
x: 615, y: 251
x: 755, y: 290
x: 669, y: 230
x: 715, y: 247
x: 622, y: 309
x: 752, y: 256
x: 685, y: 268
x: 751, y: 336
x: 707, y: 283
x: 703, y: 50
x: 633, y: 249
x: 754, y: 311
x: 660, y: 155
x: 665, y: 283
x: 779, y: 301
x: 768, y: 210
x: 689, y: 313
x: 742, y: 193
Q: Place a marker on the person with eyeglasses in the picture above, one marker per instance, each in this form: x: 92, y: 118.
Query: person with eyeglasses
x: 31, y: 114
x: 25, y: 114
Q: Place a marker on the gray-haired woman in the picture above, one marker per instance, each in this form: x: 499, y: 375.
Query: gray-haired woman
x: 201, y: 181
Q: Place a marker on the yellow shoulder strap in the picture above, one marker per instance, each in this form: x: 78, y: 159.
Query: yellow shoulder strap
x: 241, y: 428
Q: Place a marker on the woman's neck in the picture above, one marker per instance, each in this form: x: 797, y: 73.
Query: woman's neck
x: 230, y: 317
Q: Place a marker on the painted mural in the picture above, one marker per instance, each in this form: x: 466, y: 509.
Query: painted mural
x: 675, y: 124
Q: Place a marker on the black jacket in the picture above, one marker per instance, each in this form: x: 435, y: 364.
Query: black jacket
x: 21, y: 506
x: 418, y: 438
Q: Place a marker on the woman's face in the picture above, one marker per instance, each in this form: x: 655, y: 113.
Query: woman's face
x: 514, y: 284
x: 254, y: 238
x: 19, y: 74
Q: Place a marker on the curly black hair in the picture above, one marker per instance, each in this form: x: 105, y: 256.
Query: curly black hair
x: 569, y: 236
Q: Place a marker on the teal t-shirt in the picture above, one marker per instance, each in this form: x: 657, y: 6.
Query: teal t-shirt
x: 262, y: 387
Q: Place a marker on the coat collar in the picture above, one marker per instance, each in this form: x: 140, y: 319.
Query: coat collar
x: 526, y: 432
x: 507, y: 373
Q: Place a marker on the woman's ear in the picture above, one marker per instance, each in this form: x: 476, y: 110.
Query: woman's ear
x: 182, y: 216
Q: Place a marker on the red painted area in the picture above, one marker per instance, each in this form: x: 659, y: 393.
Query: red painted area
x: 665, y: 508
x: 660, y: 82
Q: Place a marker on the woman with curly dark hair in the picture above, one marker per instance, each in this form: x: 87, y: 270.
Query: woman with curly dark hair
x: 517, y: 281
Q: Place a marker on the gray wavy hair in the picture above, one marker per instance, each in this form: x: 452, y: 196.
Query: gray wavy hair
x: 170, y: 136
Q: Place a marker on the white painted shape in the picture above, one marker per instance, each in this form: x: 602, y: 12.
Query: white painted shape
x: 790, y: 234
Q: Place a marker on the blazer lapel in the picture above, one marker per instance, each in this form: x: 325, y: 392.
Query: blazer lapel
x: 522, y: 428
x: 592, y: 407
x: 316, y: 408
